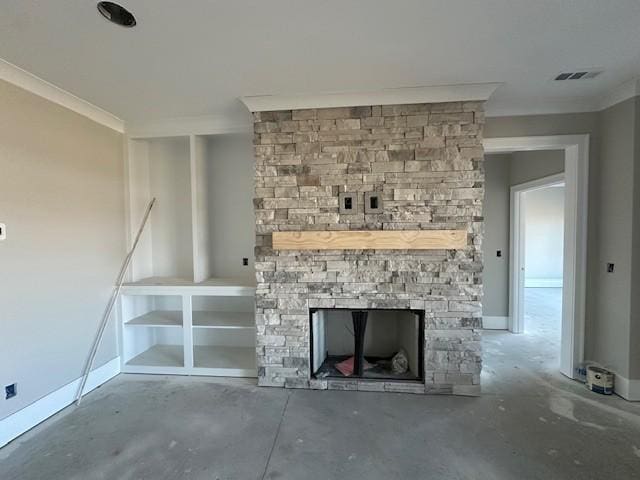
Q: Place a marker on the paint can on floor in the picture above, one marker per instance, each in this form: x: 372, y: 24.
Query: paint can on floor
x: 599, y: 380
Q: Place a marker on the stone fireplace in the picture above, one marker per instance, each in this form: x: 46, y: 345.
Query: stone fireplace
x: 411, y: 168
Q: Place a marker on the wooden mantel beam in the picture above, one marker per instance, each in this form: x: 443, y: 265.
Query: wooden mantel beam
x: 371, y: 240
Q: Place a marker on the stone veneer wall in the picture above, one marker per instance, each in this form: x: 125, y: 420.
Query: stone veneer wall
x: 427, y: 160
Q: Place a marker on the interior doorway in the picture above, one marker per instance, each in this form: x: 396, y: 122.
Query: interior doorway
x: 537, y: 256
x: 539, y: 230
x: 575, y: 149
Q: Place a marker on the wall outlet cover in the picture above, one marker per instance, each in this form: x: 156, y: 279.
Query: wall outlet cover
x: 10, y: 391
x: 610, y: 267
x: 348, y: 203
x: 245, y: 261
x: 373, y: 202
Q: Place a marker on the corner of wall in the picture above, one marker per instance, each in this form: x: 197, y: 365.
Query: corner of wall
x: 634, y: 347
x: 24, y: 420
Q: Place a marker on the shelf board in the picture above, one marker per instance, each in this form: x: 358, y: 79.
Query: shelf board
x: 231, y: 320
x: 218, y: 357
x: 180, y: 286
x: 160, y: 356
x: 158, y: 318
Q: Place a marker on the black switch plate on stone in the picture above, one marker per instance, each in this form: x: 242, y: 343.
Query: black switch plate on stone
x: 348, y: 203
x: 610, y: 267
x: 373, y: 202
x: 245, y: 261
x: 499, y: 253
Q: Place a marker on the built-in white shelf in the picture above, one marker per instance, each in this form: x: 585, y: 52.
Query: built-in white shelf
x: 159, y: 356
x: 188, y: 308
x: 230, y: 320
x: 225, y: 358
x: 157, y: 318
x: 188, y: 329
x: 179, y: 286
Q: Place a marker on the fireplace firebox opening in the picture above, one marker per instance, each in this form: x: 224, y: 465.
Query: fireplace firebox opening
x: 375, y: 344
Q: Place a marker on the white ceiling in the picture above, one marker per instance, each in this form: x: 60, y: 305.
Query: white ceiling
x: 196, y: 57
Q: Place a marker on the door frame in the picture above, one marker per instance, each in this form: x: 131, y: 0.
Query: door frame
x: 576, y: 177
x: 517, y: 247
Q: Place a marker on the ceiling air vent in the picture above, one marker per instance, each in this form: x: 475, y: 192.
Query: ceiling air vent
x: 579, y: 75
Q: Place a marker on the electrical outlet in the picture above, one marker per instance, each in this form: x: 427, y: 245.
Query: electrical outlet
x: 348, y: 203
x: 245, y: 261
x: 373, y: 202
x: 499, y: 253
x: 10, y: 391
x: 610, y: 267
x: 3, y: 231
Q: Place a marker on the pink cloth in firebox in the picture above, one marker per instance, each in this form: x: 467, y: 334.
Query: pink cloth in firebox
x: 346, y: 366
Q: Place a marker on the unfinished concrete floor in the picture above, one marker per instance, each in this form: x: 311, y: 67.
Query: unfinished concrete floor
x: 530, y: 423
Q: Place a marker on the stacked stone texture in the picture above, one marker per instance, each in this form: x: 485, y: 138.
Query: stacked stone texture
x: 427, y: 160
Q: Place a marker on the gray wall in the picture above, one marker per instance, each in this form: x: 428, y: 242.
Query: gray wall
x: 612, y: 313
x: 501, y: 172
x: 611, y: 331
x: 496, y: 235
x: 634, y: 367
x: 527, y: 166
x: 61, y: 197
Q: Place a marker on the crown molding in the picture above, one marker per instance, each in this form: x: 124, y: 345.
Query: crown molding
x: 181, y: 126
x: 619, y: 94
x: 387, y: 96
x: 540, y: 106
x: 549, y: 106
x: 21, y: 78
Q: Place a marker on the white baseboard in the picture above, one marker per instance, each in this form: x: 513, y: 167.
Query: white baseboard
x: 543, y: 283
x: 23, y: 420
x: 495, y: 323
x: 626, y: 388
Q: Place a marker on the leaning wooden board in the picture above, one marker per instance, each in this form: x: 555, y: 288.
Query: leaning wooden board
x: 371, y: 239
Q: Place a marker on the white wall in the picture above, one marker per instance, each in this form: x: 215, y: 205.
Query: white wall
x: 61, y: 197
x: 232, y: 224
x: 544, y: 234
x: 170, y: 222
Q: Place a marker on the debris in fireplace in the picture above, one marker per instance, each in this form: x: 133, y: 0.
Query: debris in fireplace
x: 346, y: 367
x: 376, y: 368
x: 400, y: 362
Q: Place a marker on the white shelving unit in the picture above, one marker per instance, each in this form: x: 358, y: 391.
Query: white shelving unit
x: 188, y: 307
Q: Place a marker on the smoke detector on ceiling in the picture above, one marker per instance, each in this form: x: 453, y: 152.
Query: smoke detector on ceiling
x: 581, y: 74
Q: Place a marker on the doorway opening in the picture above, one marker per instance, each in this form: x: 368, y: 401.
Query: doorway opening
x: 540, y: 232
x: 574, y: 149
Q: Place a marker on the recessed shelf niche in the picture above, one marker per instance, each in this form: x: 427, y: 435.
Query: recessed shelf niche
x: 160, y: 168
x: 152, y: 334
x: 189, y: 305
x: 201, y: 226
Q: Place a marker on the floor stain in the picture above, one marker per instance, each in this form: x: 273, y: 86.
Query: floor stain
x: 563, y: 407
